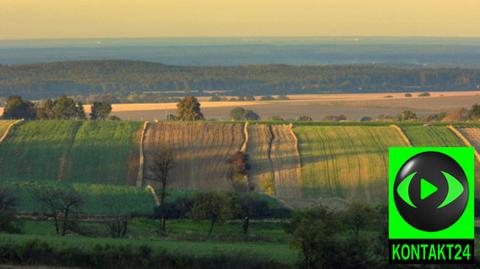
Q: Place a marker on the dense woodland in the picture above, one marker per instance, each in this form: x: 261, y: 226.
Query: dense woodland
x: 124, y: 78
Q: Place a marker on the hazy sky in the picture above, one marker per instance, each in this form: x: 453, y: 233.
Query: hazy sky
x: 168, y: 18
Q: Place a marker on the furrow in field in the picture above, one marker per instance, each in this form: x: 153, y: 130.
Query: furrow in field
x: 259, y: 151
x: 200, y: 149
x: 345, y: 162
x: 35, y: 150
x: 285, y: 164
x: 105, y: 152
x: 426, y: 136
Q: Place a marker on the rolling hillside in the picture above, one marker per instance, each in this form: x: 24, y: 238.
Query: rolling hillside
x: 346, y: 162
x: 309, y: 163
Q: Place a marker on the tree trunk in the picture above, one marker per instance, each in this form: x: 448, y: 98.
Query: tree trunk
x: 246, y: 224
x: 163, y: 219
x: 212, y: 223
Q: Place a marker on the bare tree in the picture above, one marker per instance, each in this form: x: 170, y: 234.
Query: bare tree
x: 117, y: 224
x: 61, y: 204
x: 163, y: 160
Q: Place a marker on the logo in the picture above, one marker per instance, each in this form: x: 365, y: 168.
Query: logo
x: 431, y: 205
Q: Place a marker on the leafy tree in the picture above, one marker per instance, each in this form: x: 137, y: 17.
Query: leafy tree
x: 474, y: 113
x: 237, y: 113
x: 251, y: 115
x: 276, y: 118
x: 424, y: 94
x: 407, y: 115
x: 408, y: 95
x: 61, y: 204
x: 100, y: 111
x: 248, y: 206
x: 8, y: 219
x: 358, y: 216
x: 17, y: 108
x: 215, y: 98
x: 171, y: 117
x: 335, y: 117
x: 304, y: 118
x: 249, y: 98
x: 282, y: 97
x: 163, y: 161
x: 45, y: 110
x: 65, y: 108
x: 239, y: 171
x: 267, y: 98
x: 189, y: 109
x: 366, y: 118
x: 319, y: 236
x: 212, y: 206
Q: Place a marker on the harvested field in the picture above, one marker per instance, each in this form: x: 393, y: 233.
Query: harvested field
x: 104, y: 152
x: 345, y: 162
x: 259, y: 152
x: 425, y: 136
x: 286, y: 163
x: 472, y: 135
x: 200, y: 151
x: 36, y: 150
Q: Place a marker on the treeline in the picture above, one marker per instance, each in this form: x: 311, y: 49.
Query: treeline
x: 62, y: 108
x: 131, y: 78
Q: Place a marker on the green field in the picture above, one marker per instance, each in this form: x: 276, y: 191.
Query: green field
x: 104, y: 152
x: 99, y: 199
x: 74, y: 151
x: 37, y: 150
x: 280, y: 253
x: 424, y: 136
x: 346, y: 162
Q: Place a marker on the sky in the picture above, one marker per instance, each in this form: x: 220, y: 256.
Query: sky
x: 45, y: 19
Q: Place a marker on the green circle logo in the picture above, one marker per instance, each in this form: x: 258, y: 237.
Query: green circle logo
x: 431, y: 191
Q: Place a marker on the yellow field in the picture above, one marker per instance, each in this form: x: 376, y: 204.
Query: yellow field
x: 347, y: 162
x: 4, y: 124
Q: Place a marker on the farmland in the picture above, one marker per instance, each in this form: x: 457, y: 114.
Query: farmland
x: 37, y: 150
x: 104, y: 152
x: 345, y: 162
x: 200, y: 152
x: 422, y: 136
x: 100, y: 199
x: 4, y: 124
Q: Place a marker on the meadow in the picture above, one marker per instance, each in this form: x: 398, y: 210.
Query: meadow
x: 99, y: 199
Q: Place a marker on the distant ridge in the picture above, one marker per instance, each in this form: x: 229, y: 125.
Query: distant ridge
x: 121, y: 78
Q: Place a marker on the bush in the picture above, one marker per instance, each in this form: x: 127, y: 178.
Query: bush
x: 283, y: 97
x: 408, y: 95
x: 424, y: 94
x: 267, y: 98
x: 304, y: 118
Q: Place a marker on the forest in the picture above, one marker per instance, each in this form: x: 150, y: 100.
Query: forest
x: 123, y: 78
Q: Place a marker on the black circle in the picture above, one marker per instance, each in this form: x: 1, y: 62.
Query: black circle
x: 426, y: 215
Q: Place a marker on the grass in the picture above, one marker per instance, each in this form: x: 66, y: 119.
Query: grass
x: 280, y: 253
x: 345, y: 162
x: 183, y: 229
x: 104, y: 152
x: 99, y: 199
x: 424, y: 136
x: 36, y: 150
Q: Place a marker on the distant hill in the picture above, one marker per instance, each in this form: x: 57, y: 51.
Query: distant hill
x: 121, y: 78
